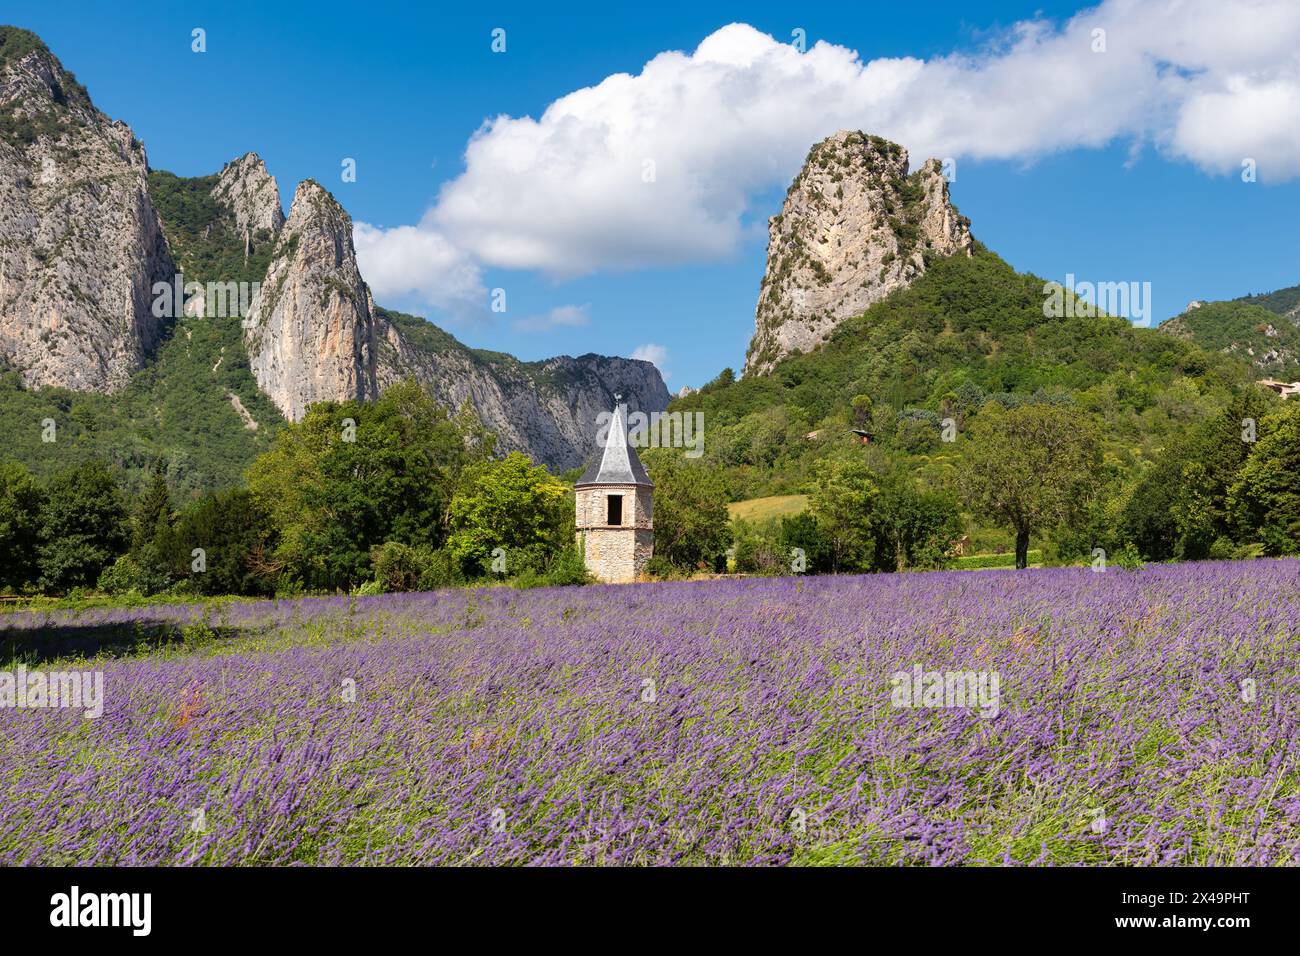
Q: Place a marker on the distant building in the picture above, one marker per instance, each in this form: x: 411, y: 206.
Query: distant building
x: 1285, y: 389
x: 615, y: 508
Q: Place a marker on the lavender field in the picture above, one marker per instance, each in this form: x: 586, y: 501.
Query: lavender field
x: 1148, y: 717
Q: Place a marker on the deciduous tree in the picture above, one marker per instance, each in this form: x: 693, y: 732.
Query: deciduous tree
x: 1032, y: 467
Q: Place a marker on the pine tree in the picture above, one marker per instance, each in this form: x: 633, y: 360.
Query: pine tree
x: 152, y: 533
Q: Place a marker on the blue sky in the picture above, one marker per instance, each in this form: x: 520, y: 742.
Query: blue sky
x: 1116, y: 167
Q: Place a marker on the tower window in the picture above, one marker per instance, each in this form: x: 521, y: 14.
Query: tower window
x: 614, y: 509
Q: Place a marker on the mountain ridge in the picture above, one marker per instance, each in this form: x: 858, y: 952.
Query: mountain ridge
x: 1263, y: 331
x: 312, y: 332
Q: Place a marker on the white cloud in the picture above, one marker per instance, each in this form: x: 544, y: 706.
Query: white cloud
x: 656, y: 355
x: 1211, y: 82
x: 562, y: 316
x: 1208, y: 81
x: 408, y: 260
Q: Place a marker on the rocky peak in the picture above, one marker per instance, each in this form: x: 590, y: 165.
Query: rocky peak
x: 81, y: 245
x: 310, y: 328
x: 317, y: 335
x: 250, y: 192
x: 855, y: 226
x: 33, y: 80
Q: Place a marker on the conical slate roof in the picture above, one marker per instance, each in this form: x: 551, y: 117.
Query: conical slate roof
x: 616, y: 463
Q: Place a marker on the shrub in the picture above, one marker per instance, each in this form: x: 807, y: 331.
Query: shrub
x: 126, y: 576
x: 399, y: 567
x: 757, y: 549
x: 441, y: 571
x: 552, y: 569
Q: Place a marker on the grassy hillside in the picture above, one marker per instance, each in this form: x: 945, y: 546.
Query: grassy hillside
x: 202, y: 233
x: 969, y: 330
x: 178, y: 409
x: 1248, y: 330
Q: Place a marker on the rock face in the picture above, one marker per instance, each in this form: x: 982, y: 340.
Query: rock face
x: 250, y: 192
x: 81, y: 245
x: 309, y: 331
x: 549, y: 410
x: 854, y: 227
x: 315, y: 334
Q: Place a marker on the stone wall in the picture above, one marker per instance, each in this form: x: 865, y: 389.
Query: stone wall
x: 616, y: 553
x: 638, y: 506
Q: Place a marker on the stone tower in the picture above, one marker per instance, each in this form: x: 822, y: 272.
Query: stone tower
x: 615, y: 508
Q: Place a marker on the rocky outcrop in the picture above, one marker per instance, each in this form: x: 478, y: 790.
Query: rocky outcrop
x: 315, y: 334
x: 855, y: 226
x: 251, y: 194
x: 81, y: 245
x: 549, y: 410
x: 309, y: 331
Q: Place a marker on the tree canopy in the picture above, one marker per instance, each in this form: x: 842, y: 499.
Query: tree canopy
x: 1030, y: 467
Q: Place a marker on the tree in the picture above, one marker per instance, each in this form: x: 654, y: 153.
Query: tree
x: 725, y: 378
x: 83, y: 527
x: 509, y: 504
x: 862, y: 407
x: 914, y: 528
x: 843, y: 504
x: 232, y: 535
x: 692, y: 524
x: 1032, y: 467
x: 152, y: 538
x: 757, y: 548
x: 1265, y: 496
x: 1180, y: 506
x: 152, y: 511
x: 20, y: 525
x: 353, y: 475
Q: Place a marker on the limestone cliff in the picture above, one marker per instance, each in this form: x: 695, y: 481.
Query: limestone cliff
x: 309, y: 332
x: 250, y: 192
x: 855, y: 226
x: 549, y: 409
x: 80, y: 241
x: 314, y: 334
